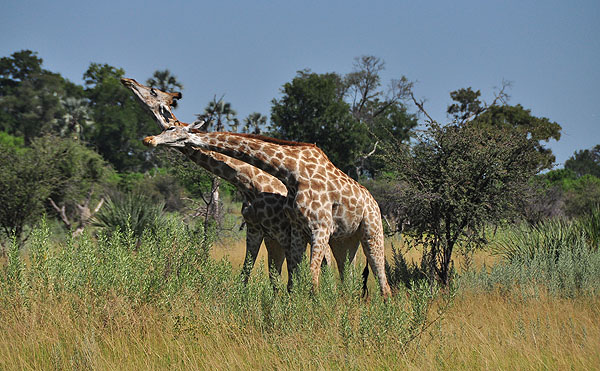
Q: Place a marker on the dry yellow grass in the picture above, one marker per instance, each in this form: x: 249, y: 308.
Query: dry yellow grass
x: 480, y: 331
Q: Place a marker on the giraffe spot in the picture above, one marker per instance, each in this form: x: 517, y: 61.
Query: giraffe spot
x: 255, y: 146
x: 269, y: 151
x: 310, y: 168
x: 290, y: 163
x: 317, y: 185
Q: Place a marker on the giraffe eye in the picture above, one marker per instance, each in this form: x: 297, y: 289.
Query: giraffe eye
x: 153, y: 93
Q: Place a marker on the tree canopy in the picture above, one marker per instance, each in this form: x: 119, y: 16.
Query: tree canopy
x: 120, y: 122
x: 584, y: 162
x: 346, y: 116
x: 468, y: 107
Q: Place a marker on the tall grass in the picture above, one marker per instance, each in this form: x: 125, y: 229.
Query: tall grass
x: 76, y: 304
x: 555, y: 256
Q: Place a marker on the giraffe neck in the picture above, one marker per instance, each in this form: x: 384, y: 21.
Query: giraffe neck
x: 242, y: 175
x: 278, y: 158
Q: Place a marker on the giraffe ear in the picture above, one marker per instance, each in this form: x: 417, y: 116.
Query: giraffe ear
x: 198, y: 124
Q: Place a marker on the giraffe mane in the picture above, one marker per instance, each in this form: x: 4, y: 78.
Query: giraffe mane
x: 265, y: 139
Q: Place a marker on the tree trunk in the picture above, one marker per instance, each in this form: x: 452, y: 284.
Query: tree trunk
x: 215, y: 198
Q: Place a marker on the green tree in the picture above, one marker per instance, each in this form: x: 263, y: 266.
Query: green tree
x: 30, y: 96
x: 585, y: 162
x: 311, y: 110
x: 119, y: 121
x: 26, y: 180
x: 165, y: 81
x: 217, y: 114
x: 80, y: 177
x: 254, y: 122
x: 347, y: 116
x: 468, y: 108
x: 455, y: 180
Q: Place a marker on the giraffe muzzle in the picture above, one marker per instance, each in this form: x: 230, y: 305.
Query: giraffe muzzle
x: 150, y: 141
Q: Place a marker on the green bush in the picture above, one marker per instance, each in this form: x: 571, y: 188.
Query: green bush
x: 172, y: 271
x: 130, y: 211
x: 555, y: 257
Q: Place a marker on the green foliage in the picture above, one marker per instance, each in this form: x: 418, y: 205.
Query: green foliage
x: 171, y: 271
x: 468, y: 107
x: 26, y: 180
x: 217, y: 115
x: 15, y: 143
x: 130, y: 211
x: 585, y: 162
x: 556, y: 256
x: 457, y: 178
x: 77, y: 169
x: 346, y: 116
x: 580, y: 194
x: 590, y: 224
x: 312, y: 111
x: 120, y: 122
x: 31, y: 96
x: 254, y: 123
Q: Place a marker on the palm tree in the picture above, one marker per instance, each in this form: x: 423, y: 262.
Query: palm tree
x: 218, y: 113
x: 164, y: 81
x: 253, y: 122
x: 76, y: 118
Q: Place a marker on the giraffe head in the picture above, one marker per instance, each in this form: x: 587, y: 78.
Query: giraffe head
x: 156, y: 101
x: 174, y: 136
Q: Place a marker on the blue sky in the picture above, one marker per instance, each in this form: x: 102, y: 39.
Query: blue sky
x: 549, y: 50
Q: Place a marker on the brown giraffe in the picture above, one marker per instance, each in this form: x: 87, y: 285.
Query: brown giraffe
x: 264, y: 195
x: 324, y: 204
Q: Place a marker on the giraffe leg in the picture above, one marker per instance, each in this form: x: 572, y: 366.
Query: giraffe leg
x: 373, y: 247
x: 295, y: 253
x: 254, y: 237
x: 319, y: 247
x: 275, y: 258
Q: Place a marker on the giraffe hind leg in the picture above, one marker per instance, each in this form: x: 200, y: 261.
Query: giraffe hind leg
x: 373, y: 247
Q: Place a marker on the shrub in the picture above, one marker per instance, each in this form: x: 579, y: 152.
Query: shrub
x: 130, y: 211
x: 554, y: 256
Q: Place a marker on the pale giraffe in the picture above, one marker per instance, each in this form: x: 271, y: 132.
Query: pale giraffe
x: 325, y: 205
x: 264, y: 195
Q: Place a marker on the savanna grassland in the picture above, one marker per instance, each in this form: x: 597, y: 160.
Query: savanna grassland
x: 170, y: 301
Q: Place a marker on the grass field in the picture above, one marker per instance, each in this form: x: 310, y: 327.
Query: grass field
x: 94, y: 304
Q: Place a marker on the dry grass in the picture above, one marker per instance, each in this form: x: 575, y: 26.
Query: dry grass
x: 480, y: 331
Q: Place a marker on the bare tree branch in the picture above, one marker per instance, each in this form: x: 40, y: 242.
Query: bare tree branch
x: 422, y: 108
x: 61, y: 211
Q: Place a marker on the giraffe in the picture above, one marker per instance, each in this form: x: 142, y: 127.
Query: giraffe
x: 325, y: 205
x: 264, y: 195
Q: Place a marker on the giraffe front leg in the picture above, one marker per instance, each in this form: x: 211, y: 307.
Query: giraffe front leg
x: 275, y: 256
x: 254, y: 237
x: 319, y: 247
x: 295, y: 253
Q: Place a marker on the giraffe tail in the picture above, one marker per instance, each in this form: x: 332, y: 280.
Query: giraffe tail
x: 365, y: 275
